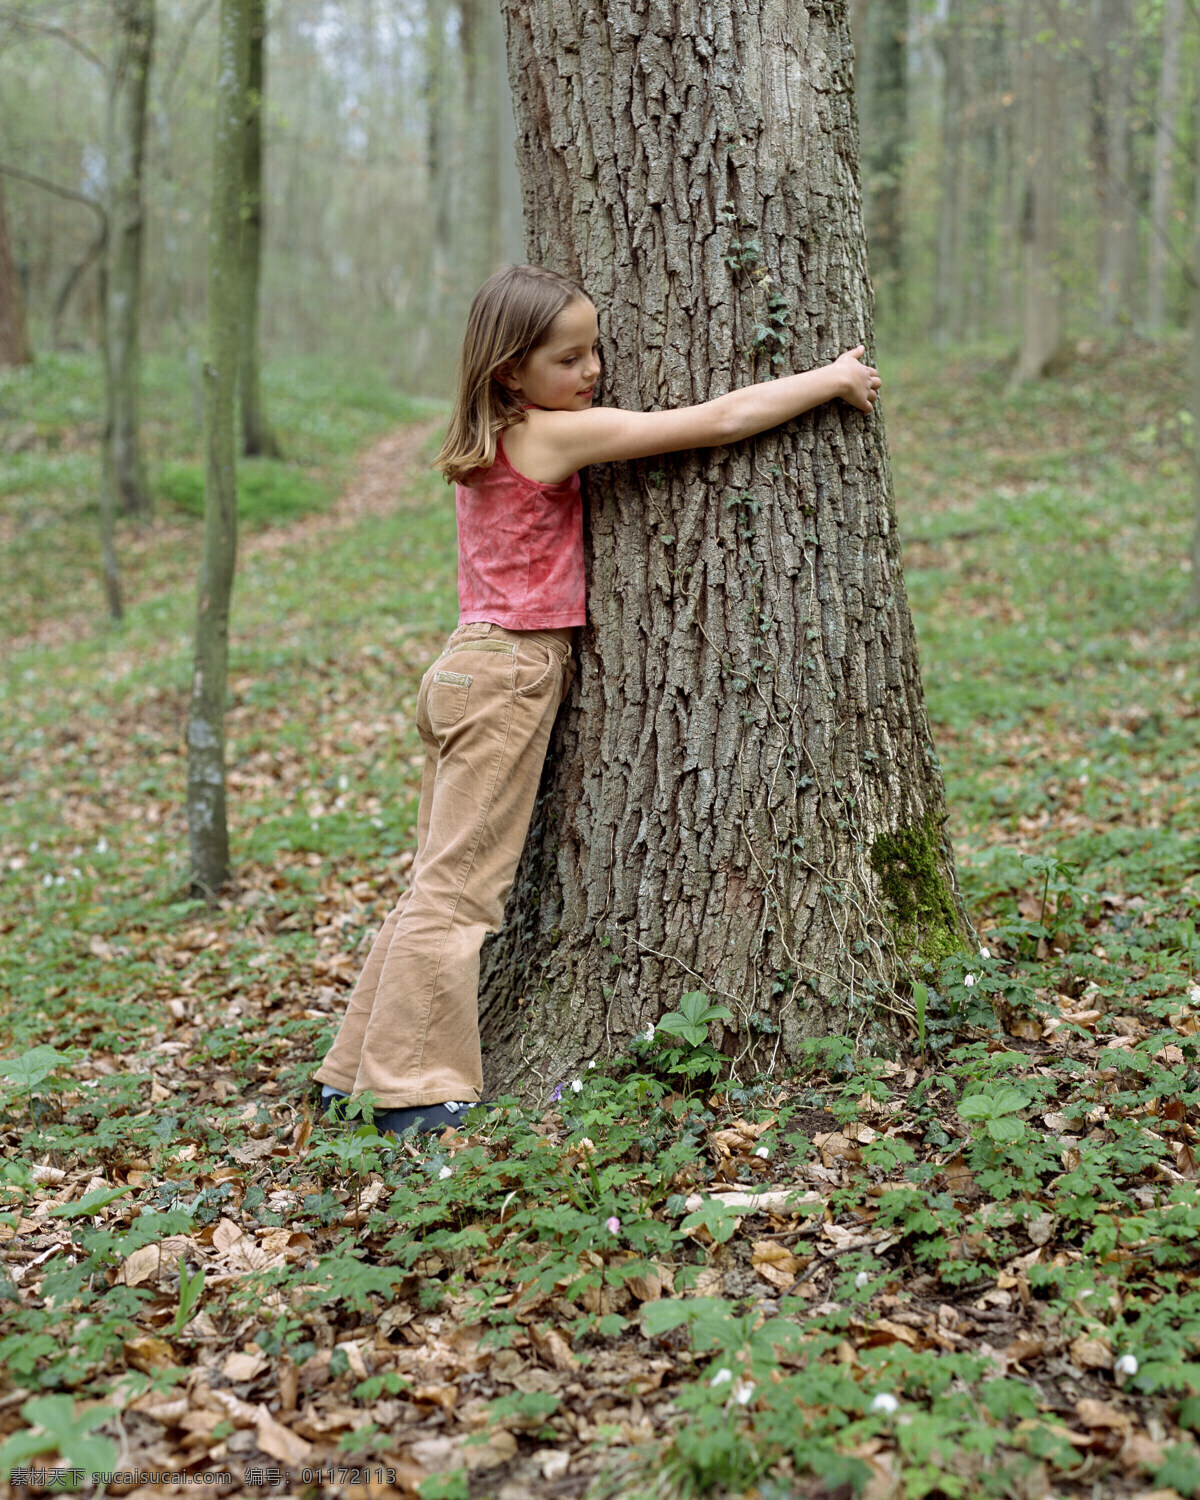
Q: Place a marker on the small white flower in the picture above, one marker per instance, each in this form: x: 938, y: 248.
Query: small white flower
x: 592, y: 1064
x: 1127, y: 1365
x: 763, y: 1151
x: 1194, y: 997
x: 577, y: 1085
x: 102, y: 845
x: 47, y: 879
x: 862, y: 1279
x: 444, y: 1173
x: 343, y: 783
x: 985, y: 953
x: 968, y: 980
x: 649, y: 1033
x: 34, y: 847
x: 743, y: 1391
x: 613, y: 1224
x: 885, y: 1402
x: 721, y: 1377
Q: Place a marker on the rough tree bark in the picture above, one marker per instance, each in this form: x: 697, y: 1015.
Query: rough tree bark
x: 1041, y: 318
x: 743, y: 796
x: 208, y: 834
x: 14, y: 339
x: 129, y: 88
x: 258, y: 438
x: 1166, y: 129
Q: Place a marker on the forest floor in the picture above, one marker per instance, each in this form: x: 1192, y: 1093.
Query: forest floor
x: 962, y: 1271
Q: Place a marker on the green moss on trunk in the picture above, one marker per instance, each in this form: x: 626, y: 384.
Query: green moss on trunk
x: 911, y: 868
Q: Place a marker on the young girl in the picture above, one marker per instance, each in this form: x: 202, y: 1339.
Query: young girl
x: 523, y: 426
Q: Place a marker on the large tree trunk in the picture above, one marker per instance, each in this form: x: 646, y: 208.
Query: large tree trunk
x: 257, y: 436
x: 1166, y: 130
x: 1041, y: 321
x: 207, y: 830
x: 129, y: 89
x: 881, y: 84
x: 743, y: 796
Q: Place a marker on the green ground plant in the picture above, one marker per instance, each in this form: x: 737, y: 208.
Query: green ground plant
x: 968, y: 1271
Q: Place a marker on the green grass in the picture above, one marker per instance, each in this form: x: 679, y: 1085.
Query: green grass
x: 1044, y: 534
x: 51, y: 416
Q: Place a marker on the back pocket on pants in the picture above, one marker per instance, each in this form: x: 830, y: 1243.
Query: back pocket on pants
x: 448, y: 698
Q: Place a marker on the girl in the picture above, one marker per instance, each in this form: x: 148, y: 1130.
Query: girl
x: 523, y: 426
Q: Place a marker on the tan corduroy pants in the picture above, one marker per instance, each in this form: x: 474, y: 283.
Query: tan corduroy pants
x: 484, y: 712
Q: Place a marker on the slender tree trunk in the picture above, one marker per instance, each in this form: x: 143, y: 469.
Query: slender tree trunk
x: 1193, y: 600
x: 743, y: 797
x: 1165, y: 134
x: 14, y: 338
x: 492, y: 197
x: 430, y: 344
x: 949, y: 266
x: 208, y: 833
x: 1112, y: 102
x: 257, y: 436
x: 883, y: 105
x: 108, y: 485
x: 129, y: 89
x: 1041, y: 324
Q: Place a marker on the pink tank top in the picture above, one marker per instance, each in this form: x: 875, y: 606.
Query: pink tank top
x: 520, y: 549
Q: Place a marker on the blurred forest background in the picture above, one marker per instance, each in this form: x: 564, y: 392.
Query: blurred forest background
x: 1028, y: 142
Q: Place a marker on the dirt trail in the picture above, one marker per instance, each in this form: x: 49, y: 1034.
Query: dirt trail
x: 171, y: 550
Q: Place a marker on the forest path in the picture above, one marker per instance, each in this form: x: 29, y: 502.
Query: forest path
x: 161, y: 558
x: 381, y: 483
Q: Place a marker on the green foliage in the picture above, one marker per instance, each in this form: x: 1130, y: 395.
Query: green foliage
x: 268, y: 490
x: 56, y: 1426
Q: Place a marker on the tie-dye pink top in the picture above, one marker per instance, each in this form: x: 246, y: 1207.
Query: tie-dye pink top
x: 520, y: 549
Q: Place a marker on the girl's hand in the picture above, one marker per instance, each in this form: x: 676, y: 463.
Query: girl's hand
x: 859, y: 383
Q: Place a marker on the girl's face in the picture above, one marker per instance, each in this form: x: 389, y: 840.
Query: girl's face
x: 561, y: 373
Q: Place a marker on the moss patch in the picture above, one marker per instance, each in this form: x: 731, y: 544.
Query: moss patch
x: 909, y: 865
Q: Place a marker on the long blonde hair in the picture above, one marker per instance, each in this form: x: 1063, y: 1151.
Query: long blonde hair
x: 509, y: 318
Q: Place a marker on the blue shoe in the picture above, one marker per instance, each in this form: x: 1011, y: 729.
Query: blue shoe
x: 423, y: 1118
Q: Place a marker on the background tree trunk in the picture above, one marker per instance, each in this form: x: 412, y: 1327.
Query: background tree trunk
x: 1112, y: 103
x: 207, y: 830
x: 257, y: 436
x: 743, y: 797
x: 1041, y: 322
x: 950, y: 268
x: 1166, y: 130
x: 14, y: 338
x: 881, y: 84
x: 129, y: 88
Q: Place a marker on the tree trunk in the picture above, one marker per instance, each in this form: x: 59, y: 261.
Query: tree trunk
x: 1112, y: 80
x: 743, y: 796
x: 883, y: 121
x: 1165, y: 134
x: 1040, y: 293
x: 208, y: 834
x: 14, y: 339
x: 431, y: 361
x: 1192, y: 606
x: 257, y: 436
x: 492, y: 194
x: 949, y: 266
x: 128, y: 92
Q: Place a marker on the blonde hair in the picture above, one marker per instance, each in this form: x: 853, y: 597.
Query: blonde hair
x: 509, y: 318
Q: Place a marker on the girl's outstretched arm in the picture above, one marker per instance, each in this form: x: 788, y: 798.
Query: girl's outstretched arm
x: 569, y: 440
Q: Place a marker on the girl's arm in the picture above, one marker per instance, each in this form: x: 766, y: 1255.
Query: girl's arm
x: 573, y: 439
